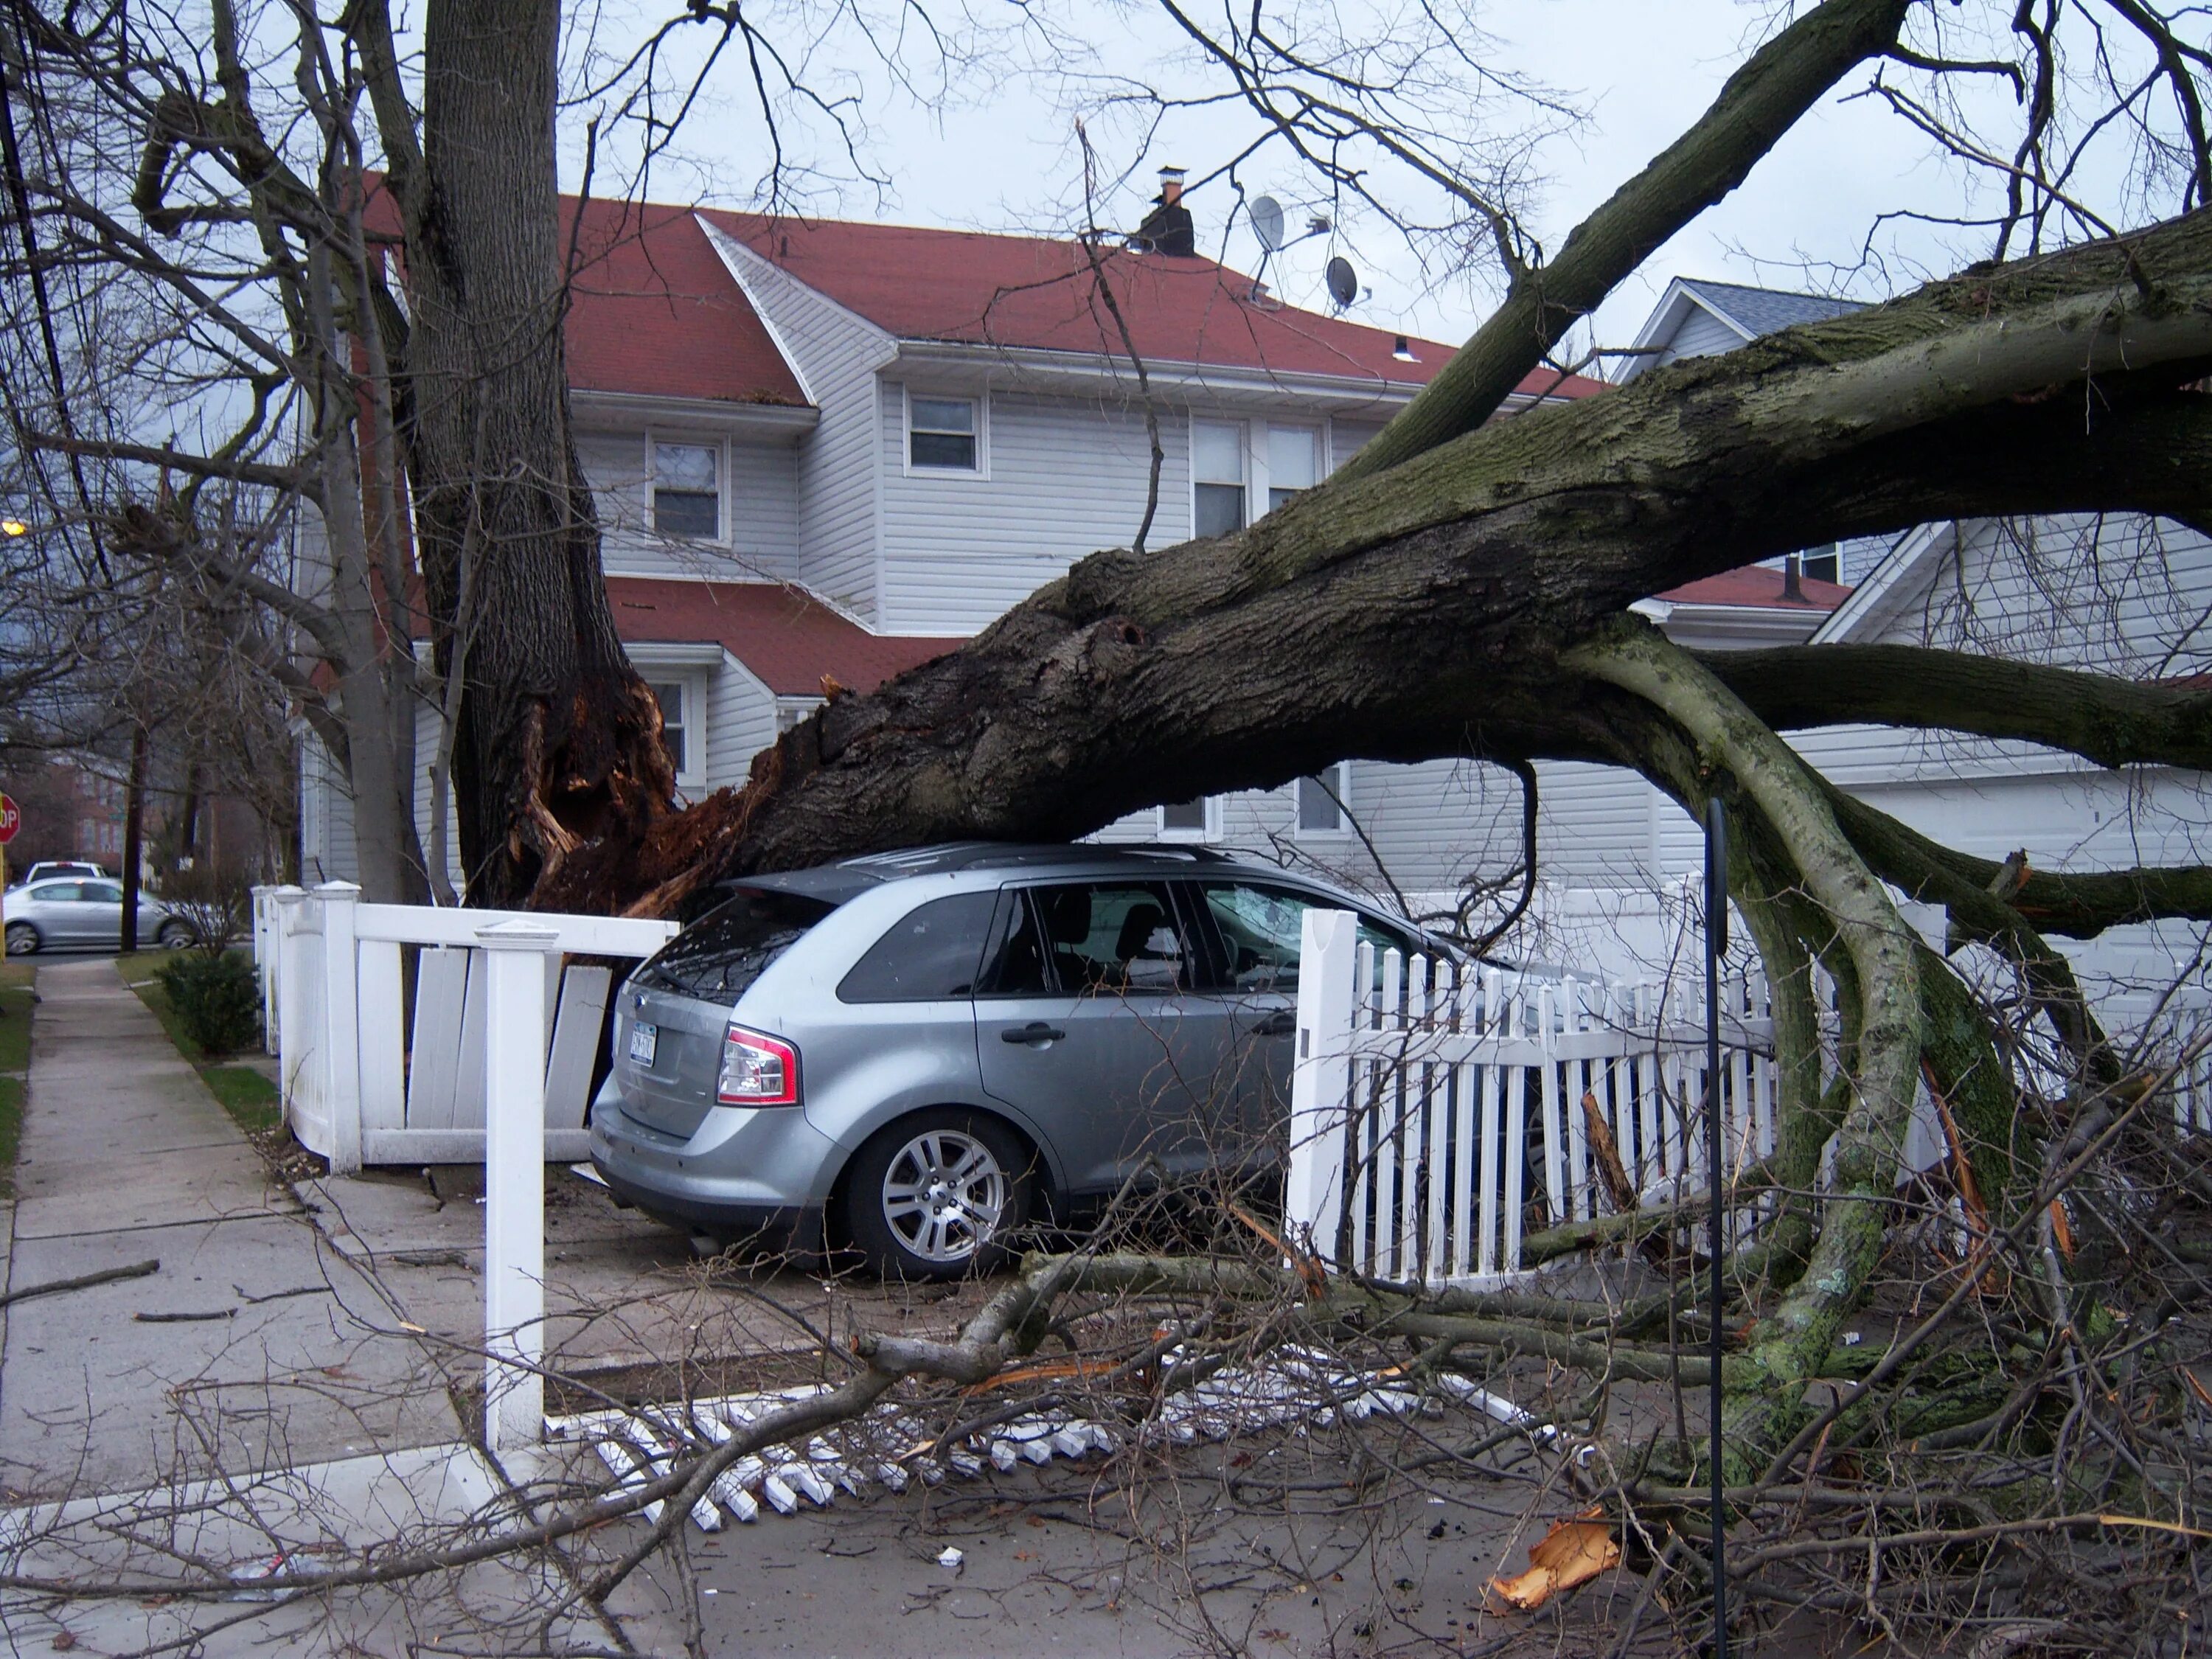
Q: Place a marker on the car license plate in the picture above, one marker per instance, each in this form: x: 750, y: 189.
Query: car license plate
x: 644, y: 1042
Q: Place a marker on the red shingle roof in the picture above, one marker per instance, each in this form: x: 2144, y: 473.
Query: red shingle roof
x: 1757, y: 585
x: 654, y: 311
x: 788, y: 639
x: 1027, y: 292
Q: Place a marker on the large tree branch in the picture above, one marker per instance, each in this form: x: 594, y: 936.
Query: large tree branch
x: 1762, y: 100
x: 2112, y: 722
x: 2076, y: 904
x: 1423, y: 613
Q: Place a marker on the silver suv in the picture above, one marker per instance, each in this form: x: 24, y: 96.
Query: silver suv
x: 920, y: 1052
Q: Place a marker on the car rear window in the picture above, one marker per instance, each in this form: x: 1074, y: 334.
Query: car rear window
x: 928, y: 955
x: 722, y: 954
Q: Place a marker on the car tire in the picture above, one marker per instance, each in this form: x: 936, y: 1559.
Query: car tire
x: 23, y: 939
x: 916, y: 1191
x: 174, y: 935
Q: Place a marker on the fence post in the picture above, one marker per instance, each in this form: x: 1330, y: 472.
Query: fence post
x: 514, y: 1180
x: 265, y: 961
x: 1321, y: 1080
x: 341, y: 1022
x: 272, y: 906
x: 290, y: 944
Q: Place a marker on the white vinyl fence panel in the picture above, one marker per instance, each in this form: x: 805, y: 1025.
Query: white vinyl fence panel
x: 1436, y: 1116
x: 364, y: 1080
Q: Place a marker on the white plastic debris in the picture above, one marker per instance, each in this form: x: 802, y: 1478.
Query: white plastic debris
x: 951, y: 1557
x: 1852, y: 1339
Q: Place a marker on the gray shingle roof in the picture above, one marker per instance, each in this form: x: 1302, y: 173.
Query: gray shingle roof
x: 1764, y: 310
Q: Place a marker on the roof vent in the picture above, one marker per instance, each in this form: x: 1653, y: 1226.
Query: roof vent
x: 1402, y: 349
x: 1793, y: 578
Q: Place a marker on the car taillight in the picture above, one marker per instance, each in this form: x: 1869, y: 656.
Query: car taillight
x: 757, y: 1070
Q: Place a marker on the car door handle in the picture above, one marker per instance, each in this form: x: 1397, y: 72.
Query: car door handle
x: 1035, y: 1031
x: 1280, y: 1023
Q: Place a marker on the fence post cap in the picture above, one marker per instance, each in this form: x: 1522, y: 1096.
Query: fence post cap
x: 515, y: 935
x: 289, y: 891
x: 338, y: 890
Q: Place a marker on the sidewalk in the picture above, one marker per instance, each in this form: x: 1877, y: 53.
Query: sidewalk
x: 261, y: 1394
x: 125, y: 1157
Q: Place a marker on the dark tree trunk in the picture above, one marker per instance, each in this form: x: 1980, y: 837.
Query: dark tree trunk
x: 558, y: 738
x: 134, y: 835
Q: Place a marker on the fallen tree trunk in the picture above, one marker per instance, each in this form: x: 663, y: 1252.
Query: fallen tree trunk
x: 1425, y: 610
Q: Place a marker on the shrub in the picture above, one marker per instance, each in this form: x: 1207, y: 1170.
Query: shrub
x: 217, y: 904
x: 217, y: 999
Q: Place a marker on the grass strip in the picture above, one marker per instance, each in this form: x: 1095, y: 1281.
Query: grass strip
x: 253, y: 1101
x: 16, y: 1002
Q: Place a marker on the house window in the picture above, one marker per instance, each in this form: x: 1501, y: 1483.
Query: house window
x: 670, y: 695
x: 1190, y: 820
x: 1825, y: 564
x: 941, y: 434
x: 1293, y: 462
x: 1217, y: 472
x: 1321, y: 801
x: 687, y: 493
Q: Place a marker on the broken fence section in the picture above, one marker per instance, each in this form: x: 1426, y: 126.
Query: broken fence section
x: 892, y: 1446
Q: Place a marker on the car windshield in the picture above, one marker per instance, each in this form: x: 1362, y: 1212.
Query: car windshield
x: 722, y: 954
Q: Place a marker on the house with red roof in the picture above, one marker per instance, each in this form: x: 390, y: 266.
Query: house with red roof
x: 826, y: 450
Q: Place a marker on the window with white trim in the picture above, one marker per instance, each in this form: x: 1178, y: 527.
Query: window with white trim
x: 942, y: 435
x: 674, y: 698
x: 687, y: 491
x: 1321, y: 801
x: 1293, y: 462
x: 1217, y: 477
x: 1190, y: 820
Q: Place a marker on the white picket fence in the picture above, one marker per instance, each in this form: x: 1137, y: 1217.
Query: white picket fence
x: 363, y: 1082
x: 1435, y: 1118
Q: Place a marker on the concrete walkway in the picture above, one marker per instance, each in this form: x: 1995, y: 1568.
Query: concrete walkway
x: 291, y: 1354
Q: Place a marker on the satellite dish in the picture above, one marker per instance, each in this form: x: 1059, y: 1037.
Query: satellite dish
x: 1267, y: 222
x: 1343, y: 281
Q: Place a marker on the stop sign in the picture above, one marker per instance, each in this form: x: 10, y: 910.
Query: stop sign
x: 11, y: 819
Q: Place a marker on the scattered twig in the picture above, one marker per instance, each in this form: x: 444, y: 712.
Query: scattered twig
x: 82, y: 1281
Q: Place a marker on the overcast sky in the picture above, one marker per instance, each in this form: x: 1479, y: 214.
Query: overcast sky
x: 998, y: 155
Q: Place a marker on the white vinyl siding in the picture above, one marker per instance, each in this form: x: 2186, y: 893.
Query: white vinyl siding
x: 837, y: 355
x: 1701, y: 335
x: 327, y: 847
x: 759, y: 489
x: 1066, y: 477
x: 740, y: 722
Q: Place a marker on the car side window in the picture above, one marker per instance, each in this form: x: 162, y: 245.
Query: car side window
x: 1262, y: 929
x: 1015, y: 964
x: 1108, y: 939
x: 103, y: 892
x: 60, y: 892
x: 930, y: 954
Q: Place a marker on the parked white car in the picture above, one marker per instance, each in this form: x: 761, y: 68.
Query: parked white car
x: 45, y: 915
x: 47, y: 869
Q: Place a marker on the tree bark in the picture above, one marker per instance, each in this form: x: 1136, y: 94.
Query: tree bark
x: 558, y: 738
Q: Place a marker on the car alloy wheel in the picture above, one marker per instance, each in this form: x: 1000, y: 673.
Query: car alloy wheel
x: 22, y: 938
x: 944, y: 1195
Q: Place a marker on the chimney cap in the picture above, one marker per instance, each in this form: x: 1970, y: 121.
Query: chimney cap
x: 1171, y: 175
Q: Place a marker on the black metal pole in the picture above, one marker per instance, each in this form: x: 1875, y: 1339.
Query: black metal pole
x: 1716, y: 1151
